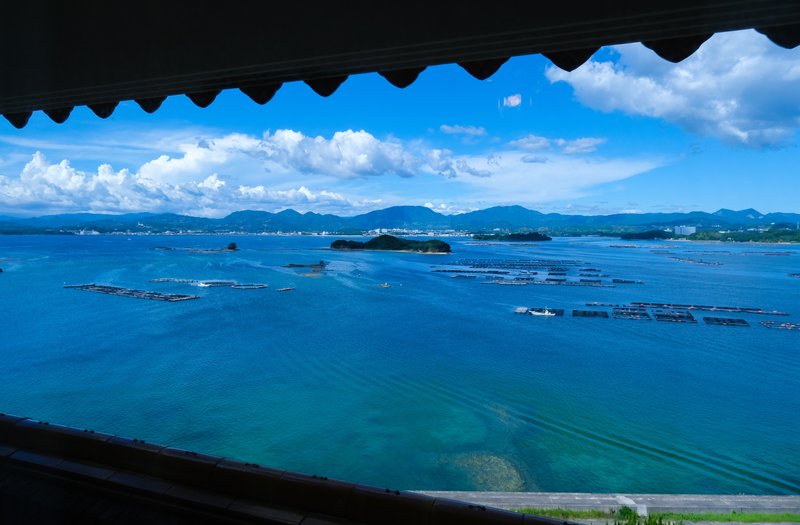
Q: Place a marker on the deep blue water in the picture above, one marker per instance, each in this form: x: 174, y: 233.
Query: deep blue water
x: 433, y: 383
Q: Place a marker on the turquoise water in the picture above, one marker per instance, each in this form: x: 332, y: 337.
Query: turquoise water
x: 433, y: 383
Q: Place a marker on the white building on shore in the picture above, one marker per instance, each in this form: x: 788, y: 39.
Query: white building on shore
x: 685, y: 230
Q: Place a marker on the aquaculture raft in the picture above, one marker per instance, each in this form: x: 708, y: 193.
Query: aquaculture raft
x: 727, y: 309
x: 639, y: 314
x: 781, y: 326
x: 674, y: 316
x: 128, y: 292
x: 590, y: 313
x: 725, y: 321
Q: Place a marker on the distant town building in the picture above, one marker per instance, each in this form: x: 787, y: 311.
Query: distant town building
x: 685, y: 230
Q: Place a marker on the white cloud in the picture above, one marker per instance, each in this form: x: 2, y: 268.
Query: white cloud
x: 515, y: 180
x: 350, y: 172
x: 444, y: 162
x: 347, y: 154
x: 532, y: 142
x: 474, y: 131
x: 44, y: 187
x: 570, y: 147
x: 447, y: 208
x: 579, y: 146
x: 738, y: 87
x: 512, y: 101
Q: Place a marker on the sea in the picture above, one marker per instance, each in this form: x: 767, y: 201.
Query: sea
x: 431, y: 381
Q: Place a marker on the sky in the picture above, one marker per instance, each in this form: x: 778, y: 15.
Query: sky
x: 625, y: 132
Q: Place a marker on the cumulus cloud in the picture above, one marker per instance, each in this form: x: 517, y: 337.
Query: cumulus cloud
x: 738, y: 87
x: 347, y: 154
x: 348, y: 172
x: 445, y: 163
x: 570, y: 147
x: 512, y: 101
x: 532, y: 142
x: 59, y: 187
x: 474, y: 131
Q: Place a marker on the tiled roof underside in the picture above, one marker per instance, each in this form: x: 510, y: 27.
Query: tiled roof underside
x: 151, y: 54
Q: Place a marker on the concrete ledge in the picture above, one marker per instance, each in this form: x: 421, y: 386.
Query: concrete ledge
x: 643, y: 503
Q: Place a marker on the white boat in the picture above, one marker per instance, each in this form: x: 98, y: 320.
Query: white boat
x: 542, y: 313
x: 385, y: 285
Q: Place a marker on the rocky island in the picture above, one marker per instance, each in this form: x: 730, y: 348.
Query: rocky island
x: 395, y: 244
x: 514, y: 237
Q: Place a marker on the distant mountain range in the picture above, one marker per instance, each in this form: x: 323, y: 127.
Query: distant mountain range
x: 509, y: 218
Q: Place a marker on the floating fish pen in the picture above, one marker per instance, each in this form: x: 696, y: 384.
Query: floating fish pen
x: 590, y: 313
x: 725, y: 321
x: 596, y: 281
x: 489, y: 272
x: 607, y: 305
x: 564, y: 282
x: 463, y: 276
x: 507, y: 283
x: 518, y: 264
x: 555, y: 280
x: 128, y: 292
x: 593, y: 270
x: 727, y: 309
x: 589, y: 275
x: 249, y: 286
x: 173, y: 280
x: 528, y: 279
x: 781, y: 326
x: 554, y: 271
x: 314, y: 266
x: 626, y: 281
x: 696, y: 261
x: 674, y: 316
x: 557, y: 273
x: 638, y: 314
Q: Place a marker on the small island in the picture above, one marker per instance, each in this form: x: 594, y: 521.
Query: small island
x: 513, y: 237
x: 230, y: 248
x: 391, y: 243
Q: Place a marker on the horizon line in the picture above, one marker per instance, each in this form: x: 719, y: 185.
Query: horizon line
x: 127, y: 213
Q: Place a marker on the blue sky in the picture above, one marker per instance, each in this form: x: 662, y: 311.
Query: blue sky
x: 626, y: 131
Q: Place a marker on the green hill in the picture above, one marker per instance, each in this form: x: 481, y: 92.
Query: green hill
x: 391, y: 243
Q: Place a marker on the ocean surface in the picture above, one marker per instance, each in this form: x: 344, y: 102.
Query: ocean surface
x: 432, y: 383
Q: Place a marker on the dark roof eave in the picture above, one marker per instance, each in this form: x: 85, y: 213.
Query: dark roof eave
x: 154, y: 51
